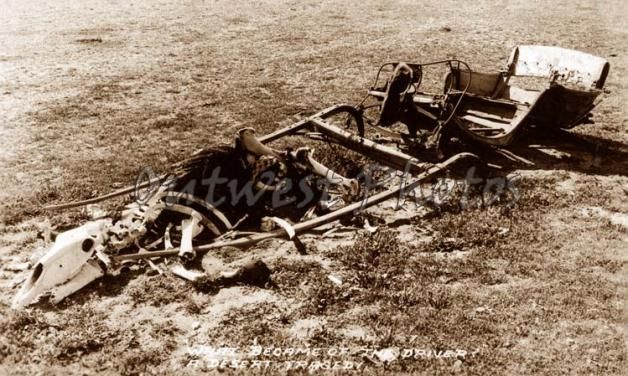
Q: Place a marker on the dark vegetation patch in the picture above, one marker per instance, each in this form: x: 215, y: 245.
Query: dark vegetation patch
x: 79, y: 334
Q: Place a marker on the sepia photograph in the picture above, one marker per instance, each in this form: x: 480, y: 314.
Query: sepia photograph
x: 299, y: 187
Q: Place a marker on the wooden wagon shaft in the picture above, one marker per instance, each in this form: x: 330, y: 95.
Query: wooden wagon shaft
x: 315, y: 222
x: 380, y: 153
x: 117, y: 193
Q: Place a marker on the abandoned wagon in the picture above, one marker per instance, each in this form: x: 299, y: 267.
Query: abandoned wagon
x: 174, y: 215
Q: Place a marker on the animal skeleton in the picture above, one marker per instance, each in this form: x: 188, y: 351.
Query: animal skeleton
x: 86, y: 253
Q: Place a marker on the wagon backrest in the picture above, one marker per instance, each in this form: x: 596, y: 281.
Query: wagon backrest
x: 559, y: 64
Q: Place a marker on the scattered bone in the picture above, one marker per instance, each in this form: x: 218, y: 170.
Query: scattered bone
x: 308, y: 214
x: 336, y: 280
x: 154, y: 267
x: 333, y: 203
x: 357, y: 332
x: 45, y: 229
x: 167, y: 241
x: 329, y: 232
x: 368, y: 227
x: 191, y: 275
x: 305, y: 328
x: 17, y: 267
x: 95, y: 212
x: 212, y: 265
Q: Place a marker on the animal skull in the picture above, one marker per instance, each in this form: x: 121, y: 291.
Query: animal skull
x: 67, y: 267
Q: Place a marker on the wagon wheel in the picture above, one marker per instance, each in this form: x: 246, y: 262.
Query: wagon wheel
x: 345, y: 162
x: 348, y: 117
x: 178, y: 210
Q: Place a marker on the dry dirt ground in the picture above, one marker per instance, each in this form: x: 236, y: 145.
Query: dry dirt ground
x: 92, y: 91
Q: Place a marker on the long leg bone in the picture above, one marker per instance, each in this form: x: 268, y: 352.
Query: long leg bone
x: 304, y: 156
x: 186, y: 250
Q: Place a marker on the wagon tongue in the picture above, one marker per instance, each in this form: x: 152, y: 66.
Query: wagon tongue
x: 67, y: 267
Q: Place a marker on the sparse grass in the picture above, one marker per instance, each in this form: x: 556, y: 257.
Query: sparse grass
x: 81, y: 334
x: 158, y: 291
